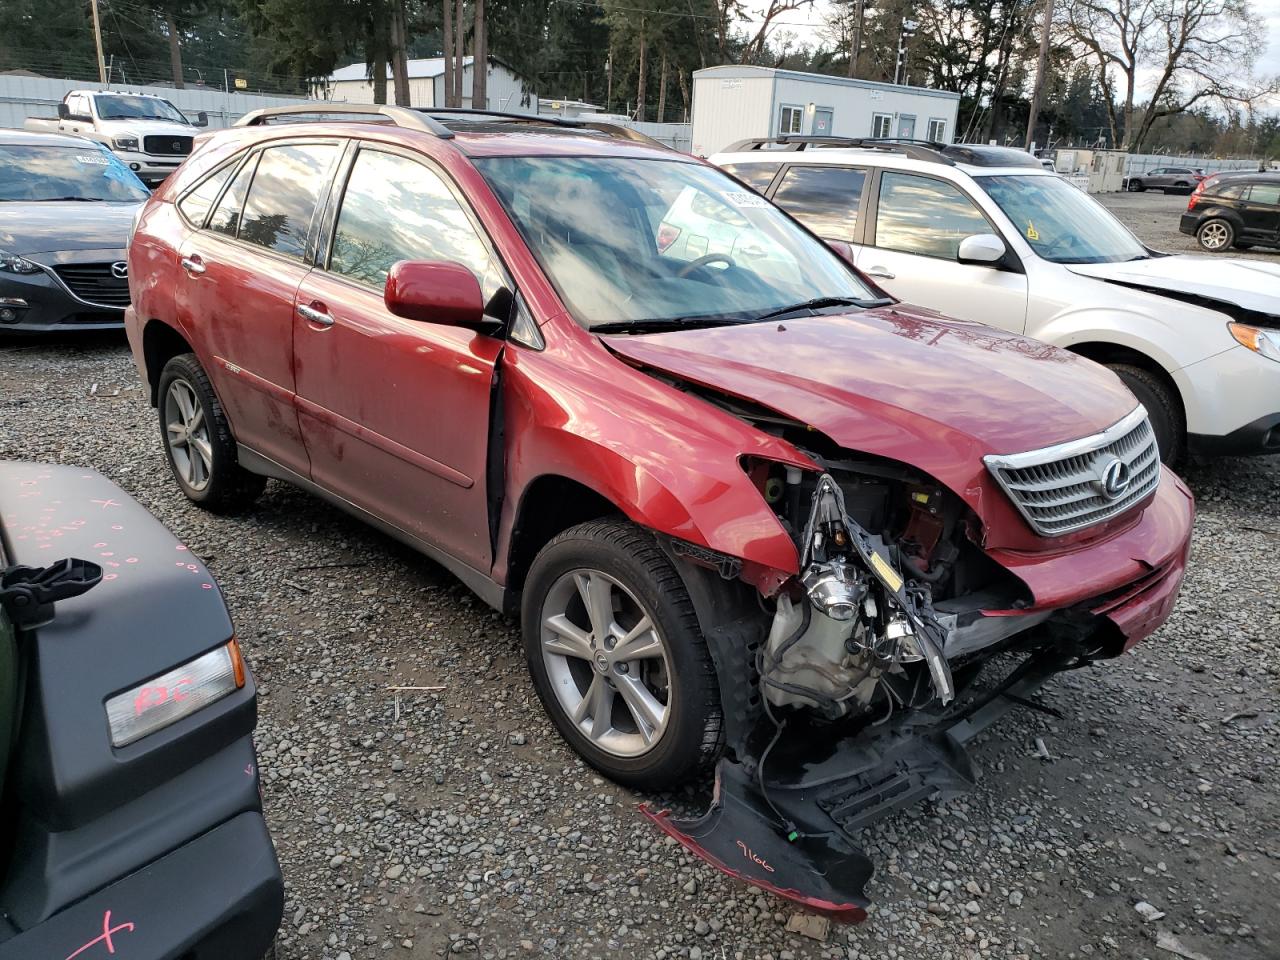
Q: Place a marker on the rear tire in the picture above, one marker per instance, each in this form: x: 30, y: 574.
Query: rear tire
x: 593, y: 692
x: 1163, y: 407
x: 1216, y: 235
x: 198, y: 442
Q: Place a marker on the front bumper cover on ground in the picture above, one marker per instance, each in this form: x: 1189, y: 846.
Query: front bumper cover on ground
x: 828, y: 792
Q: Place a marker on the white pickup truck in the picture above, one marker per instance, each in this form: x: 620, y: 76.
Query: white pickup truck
x: 148, y: 133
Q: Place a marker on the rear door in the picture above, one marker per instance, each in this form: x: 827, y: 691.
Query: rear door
x: 241, y: 272
x: 911, y: 241
x: 395, y: 412
x: 829, y: 200
x: 1260, y: 211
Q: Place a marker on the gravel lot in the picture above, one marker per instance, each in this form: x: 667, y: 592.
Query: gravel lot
x: 459, y: 823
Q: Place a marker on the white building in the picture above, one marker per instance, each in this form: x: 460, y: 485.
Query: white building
x: 506, y: 90
x: 736, y: 102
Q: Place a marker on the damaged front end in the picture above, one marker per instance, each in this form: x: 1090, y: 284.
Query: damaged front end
x: 853, y: 693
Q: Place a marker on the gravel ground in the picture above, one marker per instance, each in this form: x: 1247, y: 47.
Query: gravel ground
x: 457, y: 822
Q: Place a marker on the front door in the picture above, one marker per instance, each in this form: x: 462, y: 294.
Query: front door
x: 1260, y: 212
x: 912, y: 243
x: 906, y: 127
x: 822, y: 118
x: 240, y: 274
x: 395, y: 412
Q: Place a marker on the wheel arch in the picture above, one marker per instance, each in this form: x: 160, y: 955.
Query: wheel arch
x: 1106, y: 353
x: 160, y: 344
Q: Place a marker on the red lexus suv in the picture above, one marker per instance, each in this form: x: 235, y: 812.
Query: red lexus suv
x: 750, y: 511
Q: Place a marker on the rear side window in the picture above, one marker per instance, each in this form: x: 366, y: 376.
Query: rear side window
x: 757, y: 176
x: 396, y: 209
x: 1228, y: 191
x: 226, y: 218
x: 824, y: 199
x: 195, y: 205
x: 925, y: 216
x: 283, y: 198
x: 1268, y: 193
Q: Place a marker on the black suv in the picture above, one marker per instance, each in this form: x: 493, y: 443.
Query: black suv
x: 1242, y: 211
x: 130, y: 818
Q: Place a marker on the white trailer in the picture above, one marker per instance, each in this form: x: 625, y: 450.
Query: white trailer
x: 736, y: 102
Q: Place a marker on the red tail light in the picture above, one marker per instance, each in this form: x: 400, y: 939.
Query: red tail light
x: 667, y: 235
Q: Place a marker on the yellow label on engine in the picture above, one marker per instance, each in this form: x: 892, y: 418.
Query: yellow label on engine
x: 891, y: 577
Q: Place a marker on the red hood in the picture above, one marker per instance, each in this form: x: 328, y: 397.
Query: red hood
x: 907, y: 384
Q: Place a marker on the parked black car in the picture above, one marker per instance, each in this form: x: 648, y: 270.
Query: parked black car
x: 66, y: 207
x: 130, y: 816
x: 1242, y: 211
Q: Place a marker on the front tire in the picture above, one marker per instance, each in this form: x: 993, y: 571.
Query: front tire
x: 617, y: 656
x: 1167, y: 420
x: 1216, y: 235
x: 198, y: 442
x: 1135, y: 186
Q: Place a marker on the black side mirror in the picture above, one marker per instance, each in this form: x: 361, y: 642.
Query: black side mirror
x: 64, y: 112
x: 202, y: 119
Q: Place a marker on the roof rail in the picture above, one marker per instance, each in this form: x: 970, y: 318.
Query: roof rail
x: 913, y: 149
x: 428, y: 119
x: 400, y: 116
x: 612, y: 129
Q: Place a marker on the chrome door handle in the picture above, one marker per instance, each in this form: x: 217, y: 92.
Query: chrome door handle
x: 193, y: 266
x: 312, y: 315
x: 880, y: 273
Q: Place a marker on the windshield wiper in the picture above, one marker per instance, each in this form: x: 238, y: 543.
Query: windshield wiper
x: 820, y: 303
x: 80, y: 199
x: 661, y: 323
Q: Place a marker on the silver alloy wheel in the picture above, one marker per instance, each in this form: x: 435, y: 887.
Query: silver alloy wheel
x: 186, y: 431
x: 1214, y: 236
x: 607, y: 661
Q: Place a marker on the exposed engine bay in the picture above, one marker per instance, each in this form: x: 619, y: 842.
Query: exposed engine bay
x: 850, y: 691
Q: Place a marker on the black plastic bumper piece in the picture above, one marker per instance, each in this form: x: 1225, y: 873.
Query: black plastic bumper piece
x: 1189, y: 223
x: 219, y: 897
x: 796, y: 836
x: 1262, y: 436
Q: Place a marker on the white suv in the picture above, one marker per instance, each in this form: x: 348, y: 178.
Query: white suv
x: 986, y: 234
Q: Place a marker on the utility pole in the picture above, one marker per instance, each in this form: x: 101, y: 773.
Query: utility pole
x: 906, y: 29
x: 97, y: 39
x: 1041, y: 69
x: 856, y: 46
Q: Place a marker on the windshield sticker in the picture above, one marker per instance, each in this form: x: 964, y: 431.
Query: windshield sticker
x: 1032, y: 233
x: 98, y: 161
x: 746, y: 199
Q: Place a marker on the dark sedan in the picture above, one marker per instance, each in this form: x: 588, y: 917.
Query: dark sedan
x: 66, y: 207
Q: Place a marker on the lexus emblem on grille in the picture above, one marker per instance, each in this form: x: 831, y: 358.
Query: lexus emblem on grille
x: 177, y: 146
x: 120, y: 270
x: 1113, y: 477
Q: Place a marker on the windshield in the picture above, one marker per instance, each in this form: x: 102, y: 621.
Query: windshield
x: 116, y: 107
x: 29, y: 172
x: 627, y: 240
x: 1062, y: 223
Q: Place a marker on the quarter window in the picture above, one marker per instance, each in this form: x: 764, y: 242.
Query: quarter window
x: 824, y: 199
x: 792, y: 120
x: 396, y: 209
x: 881, y: 125
x: 226, y: 216
x: 1268, y: 193
x: 925, y: 216
x: 757, y: 176
x: 195, y: 205
x: 284, y: 196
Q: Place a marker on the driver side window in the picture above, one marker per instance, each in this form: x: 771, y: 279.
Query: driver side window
x: 925, y: 216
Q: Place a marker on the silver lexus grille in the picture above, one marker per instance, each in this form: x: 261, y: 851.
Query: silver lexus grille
x: 1077, y: 484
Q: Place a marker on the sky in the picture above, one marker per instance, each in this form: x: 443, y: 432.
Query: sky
x: 806, y: 24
